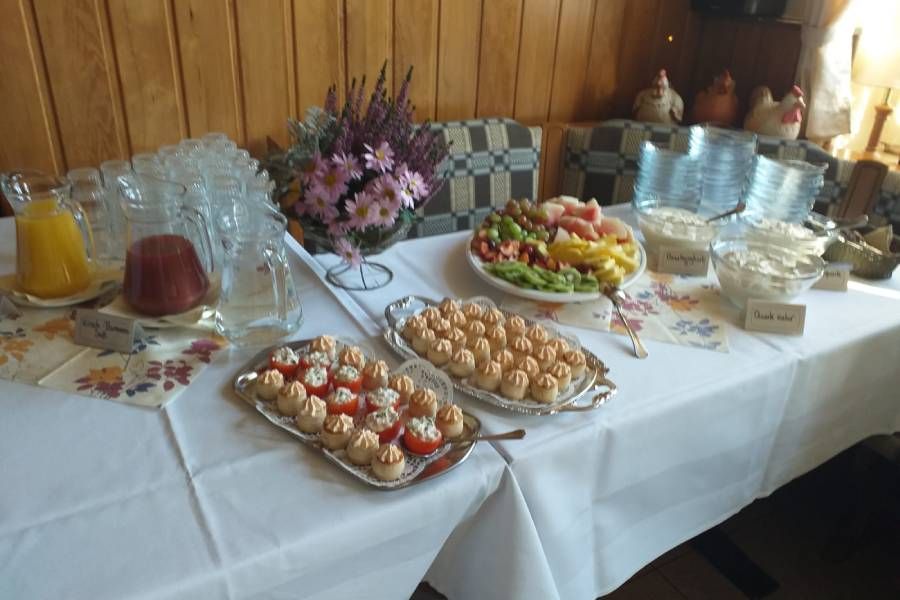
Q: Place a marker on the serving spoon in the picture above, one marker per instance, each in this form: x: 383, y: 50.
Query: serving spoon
x: 615, y: 296
x: 734, y: 211
x: 515, y: 434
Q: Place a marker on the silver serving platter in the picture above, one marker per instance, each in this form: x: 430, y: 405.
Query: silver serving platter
x: 418, y: 468
x: 592, y: 386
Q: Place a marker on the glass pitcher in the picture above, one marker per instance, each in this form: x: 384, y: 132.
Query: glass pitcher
x: 54, y: 246
x: 258, y: 303
x: 168, y: 261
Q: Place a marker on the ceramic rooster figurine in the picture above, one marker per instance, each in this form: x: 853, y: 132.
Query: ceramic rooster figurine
x: 779, y: 119
x: 717, y: 104
x: 660, y: 103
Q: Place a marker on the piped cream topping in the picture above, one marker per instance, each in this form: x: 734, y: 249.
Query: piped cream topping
x: 271, y: 377
x: 338, y: 424
x: 450, y: 413
x: 389, y: 454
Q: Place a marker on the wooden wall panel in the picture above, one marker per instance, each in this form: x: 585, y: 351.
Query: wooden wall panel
x: 603, y: 68
x: 416, y: 44
x: 209, y: 66
x: 458, y: 48
x: 537, y: 53
x: 267, y: 81
x: 572, y: 55
x: 318, y: 50
x: 370, y: 31
x: 501, y: 25
x: 100, y: 79
x: 28, y: 133
x: 143, y: 33
x: 78, y: 72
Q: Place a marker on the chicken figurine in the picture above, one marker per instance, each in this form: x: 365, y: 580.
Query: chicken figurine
x: 717, y: 104
x: 778, y: 119
x: 660, y: 103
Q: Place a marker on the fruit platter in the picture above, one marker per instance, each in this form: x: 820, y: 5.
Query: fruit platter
x: 559, y: 250
x: 499, y: 357
x: 388, y: 428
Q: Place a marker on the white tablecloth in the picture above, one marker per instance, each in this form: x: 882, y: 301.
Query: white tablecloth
x: 206, y: 500
x: 692, y: 437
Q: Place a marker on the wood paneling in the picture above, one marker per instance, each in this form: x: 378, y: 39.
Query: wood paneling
x: 318, y: 50
x: 501, y: 23
x: 143, y: 35
x: 263, y: 41
x: 459, y: 45
x: 415, y: 45
x: 208, y: 67
x: 100, y: 79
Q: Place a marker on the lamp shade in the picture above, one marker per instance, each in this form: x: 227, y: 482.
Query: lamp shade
x: 877, y: 60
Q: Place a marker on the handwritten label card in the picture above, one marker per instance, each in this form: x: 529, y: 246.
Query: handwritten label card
x: 106, y: 332
x: 835, y: 277
x: 773, y: 317
x: 683, y: 261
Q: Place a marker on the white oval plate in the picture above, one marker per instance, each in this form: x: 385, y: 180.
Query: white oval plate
x: 539, y: 296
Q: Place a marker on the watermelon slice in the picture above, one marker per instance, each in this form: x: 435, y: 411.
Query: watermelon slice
x: 562, y: 235
x: 591, y: 211
x: 572, y: 204
x: 578, y: 226
x: 554, y: 212
x: 613, y: 226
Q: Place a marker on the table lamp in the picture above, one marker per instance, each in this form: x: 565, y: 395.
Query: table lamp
x: 877, y: 63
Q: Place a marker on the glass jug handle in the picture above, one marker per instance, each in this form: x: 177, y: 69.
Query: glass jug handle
x: 196, y: 218
x: 278, y: 266
x: 83, y: 225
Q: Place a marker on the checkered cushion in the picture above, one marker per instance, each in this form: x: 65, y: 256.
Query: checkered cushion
x: 490, y: 161
x: 601, y: 162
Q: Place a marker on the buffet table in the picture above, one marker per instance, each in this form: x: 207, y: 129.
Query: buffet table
x: 692, y: 437
x: 204, y: 499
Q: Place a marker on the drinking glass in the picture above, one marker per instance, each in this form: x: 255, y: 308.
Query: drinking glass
x: 258, y: 303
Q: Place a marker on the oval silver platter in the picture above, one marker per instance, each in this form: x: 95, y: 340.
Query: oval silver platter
x: 418, y: 468
x: 593, y: 386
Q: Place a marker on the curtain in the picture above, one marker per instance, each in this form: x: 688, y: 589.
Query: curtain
x: 823, y: 71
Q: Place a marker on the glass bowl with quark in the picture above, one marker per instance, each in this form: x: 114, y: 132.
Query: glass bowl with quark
x: 767, y: 230
x: 676, y: 223
x: 776, y: 272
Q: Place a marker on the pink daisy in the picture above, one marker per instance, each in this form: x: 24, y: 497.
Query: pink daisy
x: 386, y: 212
x: 415, y: 184
x: 312, y: 167
x: 319, y: 203
x: 380, y: 158
x: 361, y: 211
x: 333, y: 181
x: 348, y: 252
x: 347, y: 164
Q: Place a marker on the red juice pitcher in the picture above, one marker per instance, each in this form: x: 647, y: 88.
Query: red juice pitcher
x: 168, y: 261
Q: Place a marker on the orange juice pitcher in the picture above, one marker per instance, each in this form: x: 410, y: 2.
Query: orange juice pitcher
x: 53, y: 239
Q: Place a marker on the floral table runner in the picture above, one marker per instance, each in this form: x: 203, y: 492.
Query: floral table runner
x: 36, y: 348
x: 667, y: 308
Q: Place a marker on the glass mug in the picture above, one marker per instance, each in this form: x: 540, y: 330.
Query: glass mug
x: 54, y: 246
x: 169, y: 260
x: 258, y: 303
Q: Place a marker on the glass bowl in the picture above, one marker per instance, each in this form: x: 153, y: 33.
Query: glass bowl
x: 763, y: 270
x: 675, y: 223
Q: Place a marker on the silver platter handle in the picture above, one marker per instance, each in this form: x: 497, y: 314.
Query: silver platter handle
x: 608, y: 391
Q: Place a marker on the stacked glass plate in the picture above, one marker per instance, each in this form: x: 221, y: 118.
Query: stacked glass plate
x: 725, y: 157
x: 668, y: 174
x: 783, y: 189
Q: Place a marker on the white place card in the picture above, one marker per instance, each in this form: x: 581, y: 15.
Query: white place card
x: 99, y: 330
x: 774, y: 317
x: 835, y: 277
x: 683, y: 261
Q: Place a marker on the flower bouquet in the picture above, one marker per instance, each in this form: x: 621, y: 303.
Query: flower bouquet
x: 360, y: 176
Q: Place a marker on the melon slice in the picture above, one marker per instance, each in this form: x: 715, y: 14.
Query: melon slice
x: 578, y: 226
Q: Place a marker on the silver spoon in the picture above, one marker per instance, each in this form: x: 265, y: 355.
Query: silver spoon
x: 614, y: 295
x: 734, y: 211
x: 516, y: 434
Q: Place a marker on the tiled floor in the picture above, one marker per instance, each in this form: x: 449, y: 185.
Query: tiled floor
x: 833, y: 534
